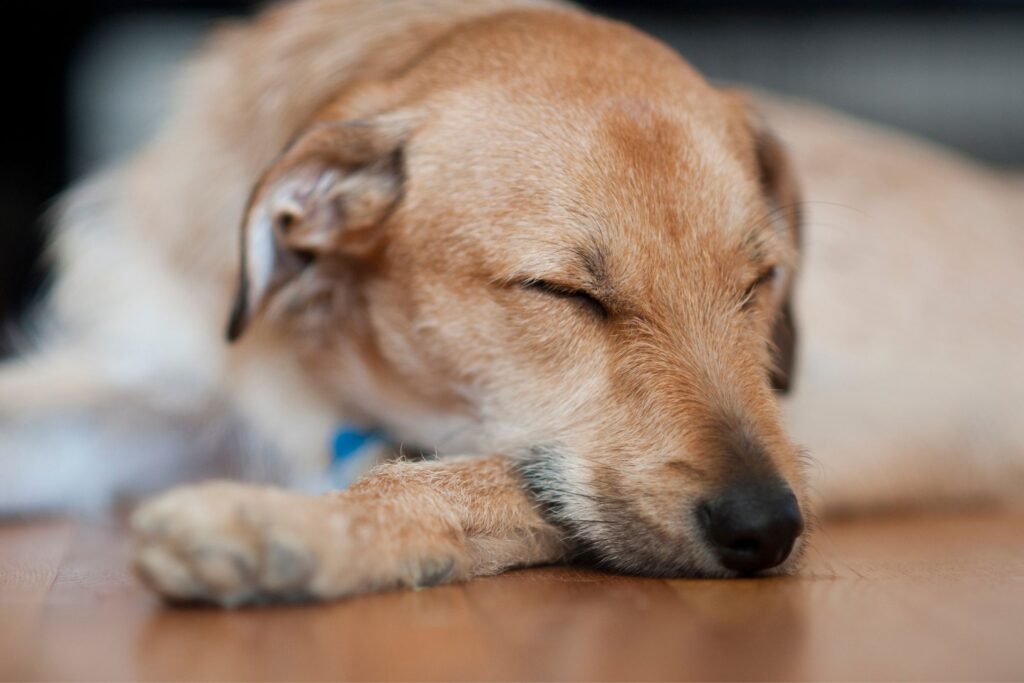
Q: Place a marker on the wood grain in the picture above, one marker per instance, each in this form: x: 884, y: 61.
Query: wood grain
x: 30, y: 554
x: 926, y: 598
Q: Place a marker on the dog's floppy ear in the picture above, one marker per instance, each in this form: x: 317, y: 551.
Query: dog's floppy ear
x: 324, y: 197
x: 779, y: 186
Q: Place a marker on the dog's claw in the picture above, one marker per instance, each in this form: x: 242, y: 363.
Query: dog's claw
x: 434, y: 572
x: 287, y: 565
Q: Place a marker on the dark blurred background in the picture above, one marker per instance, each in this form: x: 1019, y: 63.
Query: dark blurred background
x: 86, y: 82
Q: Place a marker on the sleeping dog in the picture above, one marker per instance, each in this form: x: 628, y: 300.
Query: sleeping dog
x: 538, y: 243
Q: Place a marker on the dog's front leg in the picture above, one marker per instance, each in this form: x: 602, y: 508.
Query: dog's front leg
x: 405, y: 524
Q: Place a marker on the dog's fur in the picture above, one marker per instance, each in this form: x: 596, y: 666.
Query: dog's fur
x: 510, y: 230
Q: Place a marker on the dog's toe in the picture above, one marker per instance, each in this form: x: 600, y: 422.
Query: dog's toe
x: 165, y: 572
x: 224, y: 564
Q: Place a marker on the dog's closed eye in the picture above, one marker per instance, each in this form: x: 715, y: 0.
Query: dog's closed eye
x: 580, y: 297
x: 766, y: 277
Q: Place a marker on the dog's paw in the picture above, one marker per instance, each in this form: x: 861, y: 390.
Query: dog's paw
x: 233, y: 544
x: 230, y: 544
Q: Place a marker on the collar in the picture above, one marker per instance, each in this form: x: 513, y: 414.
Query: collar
x: 354, y: 450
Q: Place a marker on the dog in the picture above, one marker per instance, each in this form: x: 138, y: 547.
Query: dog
x: 539, y: 243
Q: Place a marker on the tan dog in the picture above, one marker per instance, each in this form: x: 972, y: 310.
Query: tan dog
x: 518, y: 232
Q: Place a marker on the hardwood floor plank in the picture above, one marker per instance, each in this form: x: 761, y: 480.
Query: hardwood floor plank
x: 30, y: 554
x: 929, y: 598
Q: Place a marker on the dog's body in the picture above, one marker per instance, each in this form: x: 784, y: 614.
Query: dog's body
x: 478, y: 133
x: 910, y: 368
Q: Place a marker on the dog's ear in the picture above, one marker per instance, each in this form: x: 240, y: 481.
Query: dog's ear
x: 325, y: 197
x: 780, y: 188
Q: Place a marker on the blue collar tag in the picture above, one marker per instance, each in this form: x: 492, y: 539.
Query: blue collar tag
x: 353, y: 452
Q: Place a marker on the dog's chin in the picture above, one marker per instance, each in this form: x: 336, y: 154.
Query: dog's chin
x: 636, y: 552
x: 641, y: 555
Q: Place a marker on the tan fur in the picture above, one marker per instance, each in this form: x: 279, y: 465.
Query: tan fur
x: 405, y: 174
x: 911, y: 369
x: 410, y: 524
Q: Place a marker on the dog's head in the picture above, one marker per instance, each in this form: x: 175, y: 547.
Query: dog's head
x: 551, y: 233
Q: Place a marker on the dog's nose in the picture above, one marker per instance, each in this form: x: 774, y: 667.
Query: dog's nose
x: 752, y: 527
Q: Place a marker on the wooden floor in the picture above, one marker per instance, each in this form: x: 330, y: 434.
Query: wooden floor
x: 938, y: 598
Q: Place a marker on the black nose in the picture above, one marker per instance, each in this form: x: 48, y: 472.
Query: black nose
x: 752, y: 527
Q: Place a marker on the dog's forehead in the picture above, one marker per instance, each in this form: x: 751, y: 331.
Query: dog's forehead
x: 571, y: 152
x: 627, y: 179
